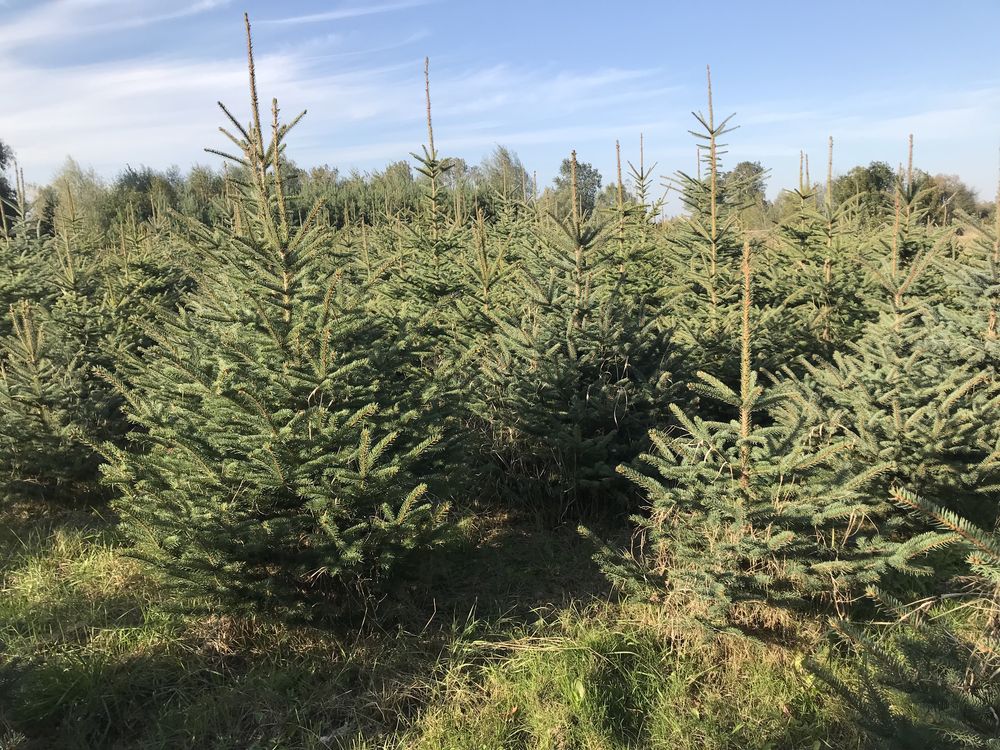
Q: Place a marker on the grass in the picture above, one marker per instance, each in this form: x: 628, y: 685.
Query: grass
x: 596, y: 681
x: 522, y: 646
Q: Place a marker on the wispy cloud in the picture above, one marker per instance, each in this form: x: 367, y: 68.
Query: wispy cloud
x: 65, y: 18
x: 345, y: 13
x: 147, y: 95
x: 159, y: 110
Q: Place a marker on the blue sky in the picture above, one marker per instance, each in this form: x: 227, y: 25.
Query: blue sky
x: 115, y: 82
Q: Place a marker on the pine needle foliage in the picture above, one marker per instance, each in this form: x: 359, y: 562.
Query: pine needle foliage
x: 754, y: 511
x: 569, y: 380
x: 933, y: 680
x: 266, y: 475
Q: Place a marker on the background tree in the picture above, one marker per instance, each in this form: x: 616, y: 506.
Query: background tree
x: 142, y: 192
x: 588, y: 183
x: 871, y: 186
x: 745, y: 184
x: 951, y: 197
x: 503, y: 173
x: 7, y: 197
x: 76, y: 195
x: 201, y: 194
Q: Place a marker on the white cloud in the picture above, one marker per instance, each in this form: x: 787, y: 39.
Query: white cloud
x: 346, y: 13
x: 63, y: 18
x: 158, y: 108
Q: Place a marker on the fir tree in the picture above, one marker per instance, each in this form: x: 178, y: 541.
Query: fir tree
x: 702, y: 293
x: 908, y: 391
x: 970, y: 314
x: 48, y: 408
x: 702, y: 288
x: 25, y: 258
x: 634, y: 242
x: 812, y: 271
x: 53, y: 406
x: 425, y: 264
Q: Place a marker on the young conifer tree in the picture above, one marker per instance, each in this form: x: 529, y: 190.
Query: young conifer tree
x: 433, y: 238
x: 971, y: 318
x: 25, y: 258
x: 53, y: 406
x: 755, y: 511
x: 266, y: 474
x: 911, y: 391
x: 702, y: 289
x: 933, y: 679
x: 812, y: 270
x: 422, y: 256
x: 634, y: 239
x: 568, y: 379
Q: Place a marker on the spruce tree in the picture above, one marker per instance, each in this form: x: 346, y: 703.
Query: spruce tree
x: 970, y: 315
x: 635, y: 241
x: 815, y: 271
x: 49, y: 406
x: 909, y: 392
x: 53, y: 405
x: 756, y: 511
x: 266, y: 475
x: 933, y: 679
x: 25, y: 256
x: 423, y: 256
x: 568, y: 380
x: 702, y: 289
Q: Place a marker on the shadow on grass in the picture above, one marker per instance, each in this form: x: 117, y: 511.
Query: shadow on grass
x: 92, y: 654
x: 24, y: 524
x: 501, y: 566
x: 264, y: 689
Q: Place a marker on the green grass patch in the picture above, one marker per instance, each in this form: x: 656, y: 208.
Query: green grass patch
x: 95, y: 655
x: 612, y: 677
